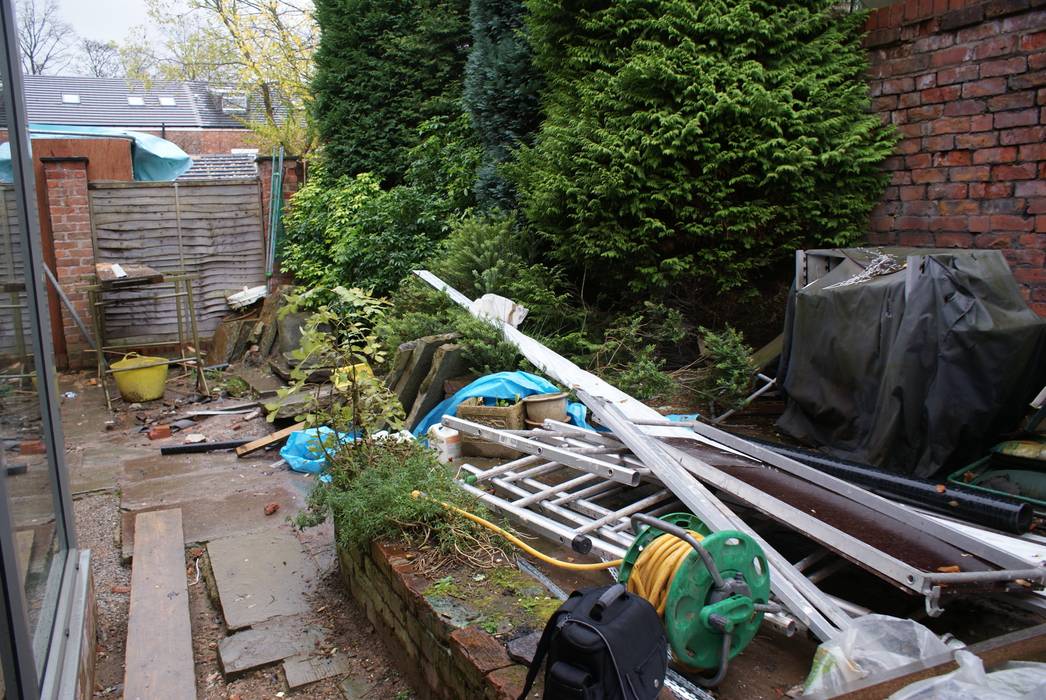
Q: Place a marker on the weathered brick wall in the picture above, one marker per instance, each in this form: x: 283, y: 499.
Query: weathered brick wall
x: 66, y: 188
x: 205, y: 141
x: 293, y: 177
x: 442, y: 662
x: 965, y: 84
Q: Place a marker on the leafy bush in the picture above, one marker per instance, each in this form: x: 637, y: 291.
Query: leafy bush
x: 384, y: 67
x: 729, y: 363
x: 628, y: 354
x: 700, y: 139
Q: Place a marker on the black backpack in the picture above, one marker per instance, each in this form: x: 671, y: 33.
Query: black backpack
x: 602, y: 644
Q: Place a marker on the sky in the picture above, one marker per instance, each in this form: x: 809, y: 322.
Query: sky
x: 103, y: 19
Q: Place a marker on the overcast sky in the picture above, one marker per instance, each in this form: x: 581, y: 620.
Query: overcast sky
x: 103, y: 19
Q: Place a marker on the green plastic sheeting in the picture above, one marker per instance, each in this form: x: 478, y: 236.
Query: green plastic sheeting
x: 152, y: 158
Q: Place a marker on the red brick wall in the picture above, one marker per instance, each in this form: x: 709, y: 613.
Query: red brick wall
x: 201, y: 141
x: 965, y: 84
x: 66, y: 183
x: 293, y: 176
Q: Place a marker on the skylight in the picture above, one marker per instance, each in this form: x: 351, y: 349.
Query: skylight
x: 234, y: 103
x: 70, y: 98
x: 167, y: 101
x: 135, y: 100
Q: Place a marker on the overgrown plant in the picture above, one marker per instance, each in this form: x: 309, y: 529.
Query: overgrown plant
x: 339, y: 341
x: 698, y: 140
x: 727, y: 376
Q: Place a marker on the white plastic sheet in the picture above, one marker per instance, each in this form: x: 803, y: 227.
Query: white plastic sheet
x: 1016, y: 680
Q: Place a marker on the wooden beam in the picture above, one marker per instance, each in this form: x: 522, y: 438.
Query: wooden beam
x: 261, y: 443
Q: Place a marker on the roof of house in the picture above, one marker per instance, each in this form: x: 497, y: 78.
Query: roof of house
x: 54, y: 99
x: 221, y: 166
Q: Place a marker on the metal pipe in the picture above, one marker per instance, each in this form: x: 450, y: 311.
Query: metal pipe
x: 991, y: 511
x: 782, y: 623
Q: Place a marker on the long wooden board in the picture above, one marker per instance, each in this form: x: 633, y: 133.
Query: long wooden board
x: 261, y: 443
x: 159, y: 659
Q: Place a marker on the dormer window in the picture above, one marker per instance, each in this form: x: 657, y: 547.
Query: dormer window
x: 135, y: 100
x: 234, y: 104
x: 69, y: 98
x: 167, y: 101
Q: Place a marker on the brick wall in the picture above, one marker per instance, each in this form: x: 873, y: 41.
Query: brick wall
x: 202, y: 141
x: 293, y: 177
x: 965, y: 84
x: 66, y: 190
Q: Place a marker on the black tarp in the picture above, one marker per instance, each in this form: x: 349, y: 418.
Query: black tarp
x: 911, y: 370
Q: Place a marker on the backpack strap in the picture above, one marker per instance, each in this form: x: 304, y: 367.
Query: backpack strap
x: 551, y: 628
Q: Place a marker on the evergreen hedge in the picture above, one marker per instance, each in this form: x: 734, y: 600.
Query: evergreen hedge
x: 698, y: 140
x: 384, y: 67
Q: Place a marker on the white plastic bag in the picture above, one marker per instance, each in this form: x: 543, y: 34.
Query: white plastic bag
x: 872, y: 644
x: 1016, y: 680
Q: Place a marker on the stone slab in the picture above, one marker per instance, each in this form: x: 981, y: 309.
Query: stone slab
x: 260, y: 576
x: 417, y: 368
x: 522, y: 649
x: 356, y: 689
x: 447, y: 362
x: 268, y: 642
x: 304, y: 670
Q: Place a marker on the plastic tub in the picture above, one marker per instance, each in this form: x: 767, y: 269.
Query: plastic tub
x: 140, y: 378
x: 542, y: 407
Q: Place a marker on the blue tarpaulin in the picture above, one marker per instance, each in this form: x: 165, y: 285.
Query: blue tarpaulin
x: 152, y: 158
x: 304, y: 450
x: 503, y: 385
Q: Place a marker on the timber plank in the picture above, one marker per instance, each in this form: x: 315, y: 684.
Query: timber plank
x: 159, y: 659
x: 260, y: 443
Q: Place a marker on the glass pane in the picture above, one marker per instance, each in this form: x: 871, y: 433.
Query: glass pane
x: 26, y: 466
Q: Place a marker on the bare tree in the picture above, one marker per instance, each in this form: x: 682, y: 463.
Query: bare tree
x: 100, y: 59
x: 45, y: 38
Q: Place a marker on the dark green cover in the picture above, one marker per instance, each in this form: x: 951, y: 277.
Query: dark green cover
x: 913, y: 370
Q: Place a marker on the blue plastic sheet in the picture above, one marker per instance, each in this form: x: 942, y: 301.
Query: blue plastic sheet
x: 503, y: 385
x: 152, y: 158
x: 304, y: 449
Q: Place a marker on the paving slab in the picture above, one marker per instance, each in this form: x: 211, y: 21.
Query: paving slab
x: 304, y: 670
x: 268, y: 642
x: 260, y: 576
x: 355, y: 689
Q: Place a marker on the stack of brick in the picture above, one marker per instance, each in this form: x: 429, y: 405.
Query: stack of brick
x: 964, y: 82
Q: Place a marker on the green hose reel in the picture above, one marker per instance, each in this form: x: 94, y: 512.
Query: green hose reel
x: 712, y: 612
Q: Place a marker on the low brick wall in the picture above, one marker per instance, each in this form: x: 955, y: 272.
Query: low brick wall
x: 440, y: 659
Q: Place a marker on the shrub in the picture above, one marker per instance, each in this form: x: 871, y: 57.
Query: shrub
x: 699, y: 139
x: 728, y: 361
x: 384, y: 67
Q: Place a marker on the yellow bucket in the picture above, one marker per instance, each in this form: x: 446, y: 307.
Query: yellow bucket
x: 136, y: 380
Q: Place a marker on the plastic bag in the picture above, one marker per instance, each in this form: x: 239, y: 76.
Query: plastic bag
x: 872, y: 644
x: 306, y: 450
x: 1016, y: 680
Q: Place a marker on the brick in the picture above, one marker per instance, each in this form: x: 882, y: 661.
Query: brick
x: 958, y: 74
x: 1037, y: 61
x: 996, y: 8
x: 1012, y: 100
x: 995, y: 155
x: 1031, y: 189
x: 1033, y: 42
x: 479, y: 649
x: 941, y: 94
x: 995, y: 241
x: 1034, y: 134
x: 976, y: 140
x: 1020, y: 117
x: 953, y: 239
x: 1035, y: 151
x: 948, y: 223
x: 933, y: 42
x: 912, y: 192
x: 927, y: 175
x: 1037, y: 205
x: 962, y: 18
x: 957, y: 207
x: 907, y: 146
x: 919, y: 208
x: 1017, y: 257
x: 945, y: 142
x: 958, y: 108
x: 1023, y: 171
x: 898, y: 85
x: 1006, y: 66
x: 919, y: 160
x: 984, y: 88
x: 889, y: 102
x: 983, y: 30
x: 950, y: 125
x: 978, y: 224
x: 927, y: 80
x: 1024, y: 22
x: 1027, y: 80
x: 981, y: 122
x: 951, y: 158
x: 910, y: 130
x: 970, y: 174
x: 915, y: 238
x: 950, y: 190
x: 900, y: 177
x: 1009, y: 222
x: 909, y: 99
x: 1031, y: 240
x: 1008, y: 205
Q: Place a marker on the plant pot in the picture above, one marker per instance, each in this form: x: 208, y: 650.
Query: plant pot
x: 501, y: 417
x: 542, y: 407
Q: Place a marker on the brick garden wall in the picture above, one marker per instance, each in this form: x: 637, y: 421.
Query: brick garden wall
x: 965, y: 84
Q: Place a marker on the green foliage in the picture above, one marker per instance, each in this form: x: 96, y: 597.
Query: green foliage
x: 500, y: 94
x: 729, y: 360
x: 351, y: 231
x: 701, y: 140
x: 369, y: 496
x: 339, y: 337
x: 384, y: 67
x: 628, y: 355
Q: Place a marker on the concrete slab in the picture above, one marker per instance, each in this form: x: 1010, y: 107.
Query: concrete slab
x: 260, y: 576
x: 447, y: 362
x: 355, y: 689
x: 302, y: 671
x: 278, y: 639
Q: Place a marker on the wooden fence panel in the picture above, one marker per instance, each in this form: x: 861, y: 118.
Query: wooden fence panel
x: 208, y: 228
x: 13, y: 344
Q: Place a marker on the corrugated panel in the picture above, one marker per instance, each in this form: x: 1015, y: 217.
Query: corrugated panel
x: 219, y: 166
x: 12, y: 271
x: 212, y: 229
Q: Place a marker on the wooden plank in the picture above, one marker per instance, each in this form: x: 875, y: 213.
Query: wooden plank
x: 159, y: 659
x: 260, y: 443
x: 24, y: 539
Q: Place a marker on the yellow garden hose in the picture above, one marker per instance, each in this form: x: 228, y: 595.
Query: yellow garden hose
x: 651, y: 576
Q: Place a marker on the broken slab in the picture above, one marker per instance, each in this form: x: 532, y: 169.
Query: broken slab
x: 304, y: 670
x: 268, y: 642
x: 355, y: 688
x: 260, y: 576
x: 399, y: 363
x: 417, y: 368
x: 447, y: 362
